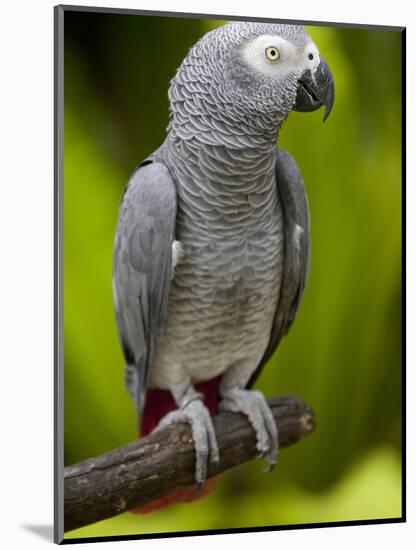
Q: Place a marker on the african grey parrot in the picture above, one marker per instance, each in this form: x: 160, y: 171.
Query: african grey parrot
x: 212, y: 244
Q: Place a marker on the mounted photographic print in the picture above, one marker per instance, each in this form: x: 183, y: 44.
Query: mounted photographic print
x: 228, y: 213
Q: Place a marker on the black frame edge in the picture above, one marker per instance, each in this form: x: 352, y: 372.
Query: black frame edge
x: 403, y: 298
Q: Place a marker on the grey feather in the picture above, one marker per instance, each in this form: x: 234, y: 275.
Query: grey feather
x: 296, y: 261
x: 142, y: 267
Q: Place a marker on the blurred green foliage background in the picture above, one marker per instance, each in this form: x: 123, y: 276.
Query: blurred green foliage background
x: 343, y: 354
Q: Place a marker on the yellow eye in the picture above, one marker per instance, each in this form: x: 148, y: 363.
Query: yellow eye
x: 272, y: 53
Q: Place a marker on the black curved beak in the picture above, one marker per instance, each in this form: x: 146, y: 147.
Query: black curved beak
x: 316, y: 89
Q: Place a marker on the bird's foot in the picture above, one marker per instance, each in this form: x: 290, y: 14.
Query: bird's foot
x: 193, y: 411
x: 253, y: 404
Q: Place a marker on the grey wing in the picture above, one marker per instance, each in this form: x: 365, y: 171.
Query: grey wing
x: 292, y: 194
x: 142, y: 268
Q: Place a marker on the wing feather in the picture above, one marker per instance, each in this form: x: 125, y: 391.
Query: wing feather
x: 292, y: 194
x: 142, y: 267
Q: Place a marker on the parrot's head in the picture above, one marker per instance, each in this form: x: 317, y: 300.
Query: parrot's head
x: 260, y: 71
x: 279, y: 67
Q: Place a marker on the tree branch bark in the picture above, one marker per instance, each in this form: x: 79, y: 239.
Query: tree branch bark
x: 142, y: 471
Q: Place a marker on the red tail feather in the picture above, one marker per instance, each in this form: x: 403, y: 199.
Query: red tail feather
x: 158, y: 404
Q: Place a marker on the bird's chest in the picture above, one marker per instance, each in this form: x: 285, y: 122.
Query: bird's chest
x: 227, y: 268
x: 224, y: 296
x: 231, y: 270
x: 224, y: 291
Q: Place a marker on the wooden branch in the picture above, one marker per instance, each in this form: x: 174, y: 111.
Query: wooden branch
x: 158, y: 464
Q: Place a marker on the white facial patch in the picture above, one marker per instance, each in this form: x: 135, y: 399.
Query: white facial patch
x: 290, y: 59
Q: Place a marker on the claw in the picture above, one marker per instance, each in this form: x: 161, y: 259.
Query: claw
x: 270, y: 466
x: 194, y: 412
x: 255, y: 407
x: 215, y: 466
